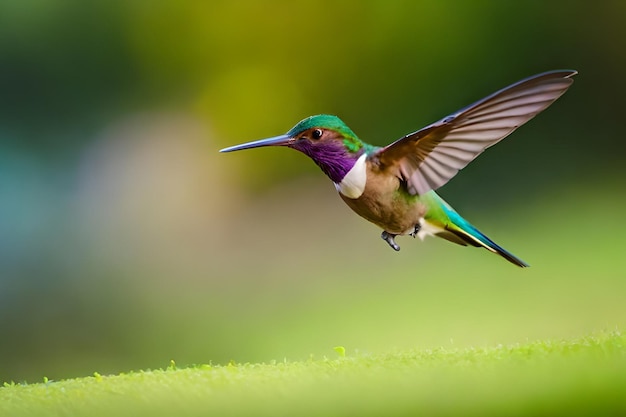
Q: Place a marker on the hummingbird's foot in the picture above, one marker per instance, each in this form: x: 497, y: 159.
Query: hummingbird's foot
x: 416, y: 230
x: 389, y: 238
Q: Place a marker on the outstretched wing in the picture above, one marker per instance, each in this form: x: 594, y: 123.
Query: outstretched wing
x: 428, y: 158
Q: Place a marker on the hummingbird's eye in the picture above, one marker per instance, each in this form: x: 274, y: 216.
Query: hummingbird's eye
x: 316, y: 134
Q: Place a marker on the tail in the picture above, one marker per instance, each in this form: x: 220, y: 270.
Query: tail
x: 459, y: 230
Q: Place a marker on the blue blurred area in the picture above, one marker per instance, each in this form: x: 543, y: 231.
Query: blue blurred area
x: 126, y: 240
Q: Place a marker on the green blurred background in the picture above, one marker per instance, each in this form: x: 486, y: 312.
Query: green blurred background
x: 126, y: 240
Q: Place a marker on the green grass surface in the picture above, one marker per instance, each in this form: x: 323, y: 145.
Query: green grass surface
x: 572, y: 377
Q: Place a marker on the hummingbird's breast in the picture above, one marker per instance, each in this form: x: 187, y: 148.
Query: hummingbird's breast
x: 386, y: 202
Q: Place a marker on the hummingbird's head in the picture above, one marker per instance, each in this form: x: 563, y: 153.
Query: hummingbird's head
x: 324, y: 138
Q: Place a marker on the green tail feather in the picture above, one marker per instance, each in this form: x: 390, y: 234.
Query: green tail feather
x: 459, y: 230
x: 472, y: 236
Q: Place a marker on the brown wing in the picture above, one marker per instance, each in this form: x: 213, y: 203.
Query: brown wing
x: 428, y: 158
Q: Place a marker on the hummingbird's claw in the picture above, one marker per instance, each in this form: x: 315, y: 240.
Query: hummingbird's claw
x: 416, y: 230
x: 389, y: 238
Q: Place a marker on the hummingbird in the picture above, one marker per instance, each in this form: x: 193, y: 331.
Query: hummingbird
x: 394, y: 186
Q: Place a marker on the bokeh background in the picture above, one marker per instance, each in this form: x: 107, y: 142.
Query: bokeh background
x: 127, y: 241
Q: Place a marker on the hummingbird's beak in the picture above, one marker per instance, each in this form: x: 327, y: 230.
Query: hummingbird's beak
x: 281, y: 140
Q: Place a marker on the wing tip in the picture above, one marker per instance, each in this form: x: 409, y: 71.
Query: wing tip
x: 555, y: 75
x: 569, y: 71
